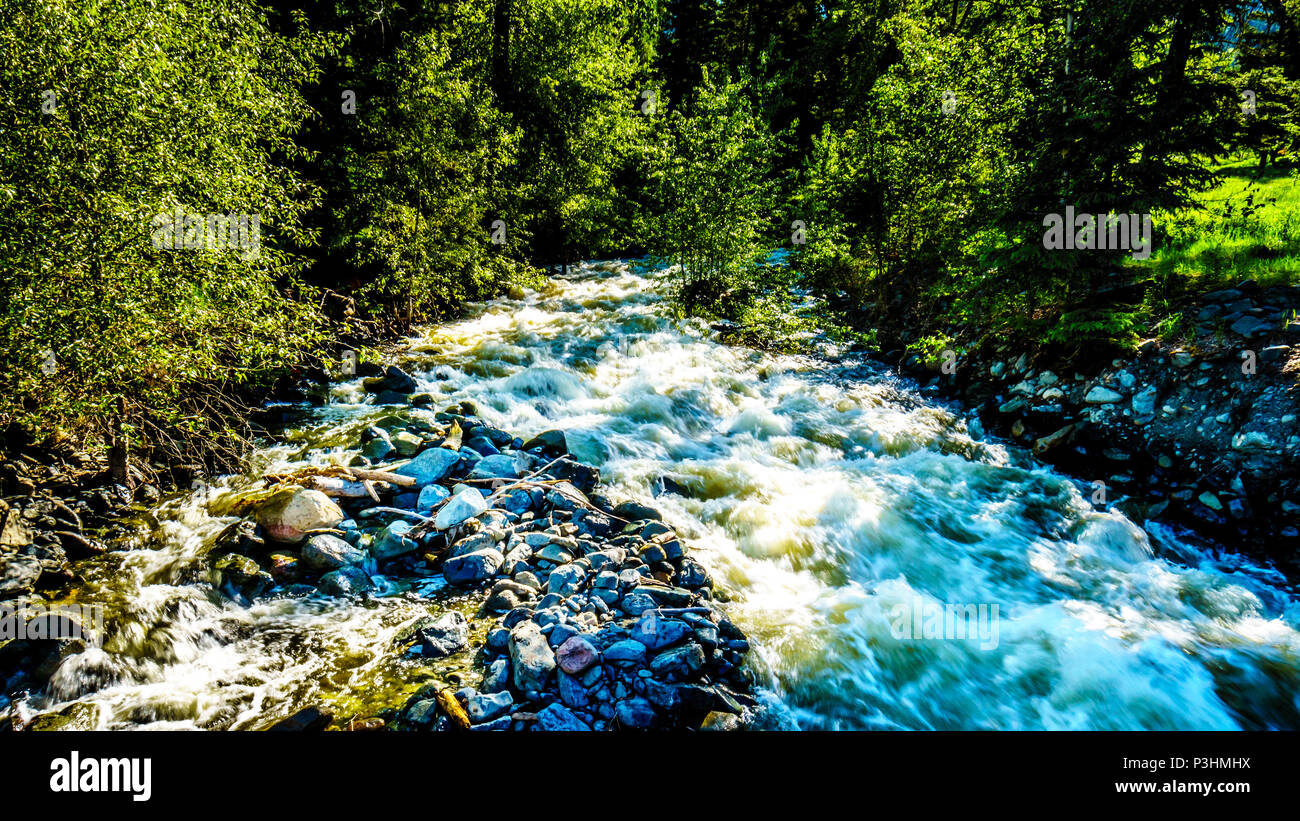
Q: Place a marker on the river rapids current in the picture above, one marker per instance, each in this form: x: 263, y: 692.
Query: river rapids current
x: 892, y: 570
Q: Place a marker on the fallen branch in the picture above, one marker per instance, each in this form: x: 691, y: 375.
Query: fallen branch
x: 452, y: 709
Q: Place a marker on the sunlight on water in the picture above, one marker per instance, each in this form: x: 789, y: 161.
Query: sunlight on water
x: 832, y: 506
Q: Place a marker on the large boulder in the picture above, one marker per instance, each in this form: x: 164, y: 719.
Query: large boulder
x: 289, y: 515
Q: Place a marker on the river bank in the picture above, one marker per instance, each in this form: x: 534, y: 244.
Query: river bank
x: 1202, y: 432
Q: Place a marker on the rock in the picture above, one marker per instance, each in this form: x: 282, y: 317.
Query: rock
x: 1250, y: 326
x: 583, y: 476
x: 393, y: 541
x: 18, y: 575
x: 506, y: 595
x: 430, y: 466
x: 328, y: 552
x: 429, y: 498
x: 566, y: 580
x: 448, y: 634
x: 576, y: 654
x: 656, y: 633
x: 551, y: 442
x: 667, y: 596
x: 346, y: 581
x: 1102, y: 396
x: 394, y: 380
x: 627, y: 651
x: 531, y: 658
x: 241, y: 577
x: 1275, y: 353
x: 634, y: 604
x: 571, y: 690
x: 1144, y: 404
x: 407, y: 443
x: 284, y: 567
x: 679, y: 663
x: 472, y: 567
x: 464, y: 505
x: 484, y: 707
x: 497, y: 678
x: 499, y: 466
x: 289, y: 514
x: 635, y: 713
x: 557, y: 718
x: 635, y: 512
x: 308, y: 719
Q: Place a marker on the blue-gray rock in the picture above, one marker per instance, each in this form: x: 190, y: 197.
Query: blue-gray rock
x: 531, y: 659
x: 557, y: 718
x: 628, y: 650
x: 498, y: 640
x: 472, y: 567
x: 656, y: 633
x: 431, y: 465
x: 496, y: 466
x: 430, y: 496
x: 393, y: 541
x: 483, y: 707
x: 680, y: 662
x: 560, y: 634
x: 497, y: 677
x: 572, y: 692
x: 346, y: 581
x: 328, y: 552
x: 496, y: 725
x: 448, y: 634
x: 566, y: 580
x: 634, y: 604
x: 635, y: 713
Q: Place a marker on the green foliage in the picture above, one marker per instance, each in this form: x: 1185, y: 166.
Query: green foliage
x: 714, y: 187
x: 155, y: 106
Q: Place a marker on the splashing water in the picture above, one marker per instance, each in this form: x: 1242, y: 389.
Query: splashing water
x: 891, y: 571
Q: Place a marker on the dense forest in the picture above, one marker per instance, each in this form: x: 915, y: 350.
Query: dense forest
x: 196, y: 199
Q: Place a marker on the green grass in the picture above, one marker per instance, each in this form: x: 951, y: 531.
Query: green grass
x: 1247, y: 227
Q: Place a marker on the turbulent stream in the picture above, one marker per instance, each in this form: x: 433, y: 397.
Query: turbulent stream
x: 837, y: 506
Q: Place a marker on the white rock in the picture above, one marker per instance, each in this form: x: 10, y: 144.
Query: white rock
x: 1102, y: 396
x: 464, y: 505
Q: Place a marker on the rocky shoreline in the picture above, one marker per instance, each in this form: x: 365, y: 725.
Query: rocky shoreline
x: 1201, y: 433
x: 600, y: 619
x: 597, y: 617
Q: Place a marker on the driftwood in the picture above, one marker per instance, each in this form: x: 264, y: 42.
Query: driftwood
x: 452, y: 709
x: 340, y: 481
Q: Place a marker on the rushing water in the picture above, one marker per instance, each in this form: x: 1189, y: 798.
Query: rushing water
x: 835, y: 505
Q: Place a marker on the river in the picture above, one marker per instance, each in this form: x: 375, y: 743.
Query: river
x: 836, y: 505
